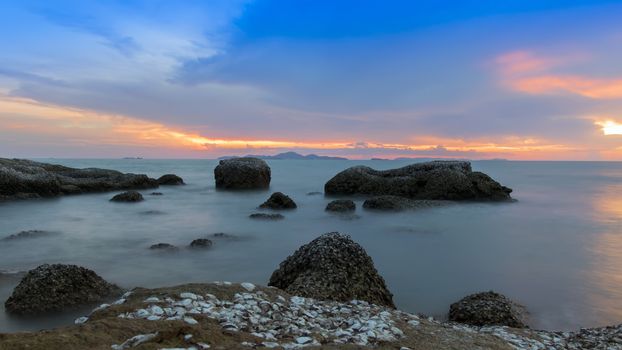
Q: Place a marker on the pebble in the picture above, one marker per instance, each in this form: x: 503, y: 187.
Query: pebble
x: 135, y: 341
x: 248, y: 286
x: 81, y: 320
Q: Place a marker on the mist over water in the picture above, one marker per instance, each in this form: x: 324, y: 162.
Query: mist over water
x: 558, y: 250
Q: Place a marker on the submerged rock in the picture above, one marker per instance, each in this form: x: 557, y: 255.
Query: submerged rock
x: 156, y: 194
x: 28, y: 234
x: 264, y: 216
x: 22, y: 179
x: 395, y: 203
x: 450, y: 180
x: 341, y: 205
x: 163, y: 246
x: 170, y: 180
x: 487, y: 309
x: 278, y: 200
x: 314, y: 193
x: 201, y: 243
x: 332, y: 267
x: 129, y: 196
x: 242, y: 173
x: 57, y: 287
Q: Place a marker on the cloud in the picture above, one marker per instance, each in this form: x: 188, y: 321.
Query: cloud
x: 583, y: 86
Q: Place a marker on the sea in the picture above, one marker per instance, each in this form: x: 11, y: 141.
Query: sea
x: 557, y: 249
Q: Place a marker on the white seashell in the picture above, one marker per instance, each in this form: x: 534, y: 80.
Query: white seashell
x: 152, y: 300
x: 190, y: 320
x: 248, y: 286
x: 188, y: 295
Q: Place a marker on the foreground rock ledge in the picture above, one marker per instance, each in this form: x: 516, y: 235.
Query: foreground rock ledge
x: 449, y: 180
x: 332, y: 267
x: 227, y: 315
x: 23, y: 179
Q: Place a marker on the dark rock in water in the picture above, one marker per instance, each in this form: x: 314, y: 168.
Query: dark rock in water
x: 170, y: 180
x: 487, y: 309
x: 395, y: 203
x: 278, y: 200
x: 23, y: 179
x: 450, y: 180
x: 242, y: 173
x: 265, y: 216
x: 57, y: 287
x: 332, y: 267
x: 129, y: 196
x: 201, y: 243
x: 341, y: 205
x: 315, y: 193
x: 164, y: 246
x: 152, y: 212
x: 27, y: 234
x: 156, y: 193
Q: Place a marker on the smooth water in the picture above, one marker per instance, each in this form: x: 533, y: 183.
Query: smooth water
x: 558, y: 250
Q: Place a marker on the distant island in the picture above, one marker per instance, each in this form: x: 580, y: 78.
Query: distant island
x: 289, y: 155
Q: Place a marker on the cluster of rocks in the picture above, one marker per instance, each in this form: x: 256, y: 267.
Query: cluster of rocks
x: 57, y: 287
x: 445, y: 180
x: 199, y: 243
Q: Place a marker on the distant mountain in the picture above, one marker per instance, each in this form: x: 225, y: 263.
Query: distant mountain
x: 290, y: 155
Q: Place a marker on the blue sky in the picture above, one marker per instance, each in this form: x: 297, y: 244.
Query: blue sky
x: 514, y: 79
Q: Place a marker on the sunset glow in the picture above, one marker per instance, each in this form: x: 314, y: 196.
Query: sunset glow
x: 610, y: 127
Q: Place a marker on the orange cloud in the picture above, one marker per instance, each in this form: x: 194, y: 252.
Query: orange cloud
x: 518, y: 62
x: 587, y: 87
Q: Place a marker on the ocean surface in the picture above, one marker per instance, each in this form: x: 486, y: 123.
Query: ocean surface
x: 557, y: 250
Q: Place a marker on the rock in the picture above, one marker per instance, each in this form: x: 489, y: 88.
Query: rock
x: 332, y: 267
x: 170, y: 180
x: 201, y: 243
x: 163, y: 246
x: 129, y: 196
x: 278, y: 200
x: 27, y: 234
x: 449, y: 180
x: 314, y: 193
x: 265, y: 216
x: 23, y: 179
x: 242, y: 173
x: 57, y: 287
x: 395, y: 203
x: 487, y: 309
x: 341, y: 205
x: 156, y: 193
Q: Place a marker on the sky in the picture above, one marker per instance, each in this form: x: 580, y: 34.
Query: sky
x: 514, y: 79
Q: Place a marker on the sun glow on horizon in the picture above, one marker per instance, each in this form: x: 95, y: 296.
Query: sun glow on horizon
x: 610, y: 127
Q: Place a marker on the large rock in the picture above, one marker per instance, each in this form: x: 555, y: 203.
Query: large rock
x: 279, y: 200
x: 57, y: 287
x: 20, y: 179
x: 395, y: 203
x: 487, y: 309
x: 451, y: 180
x: 332, y: 267
x: 242, y: 173
x: 170, y: 180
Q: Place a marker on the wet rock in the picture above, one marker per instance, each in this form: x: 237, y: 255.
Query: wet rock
x: 332, y: 267
x: 264, y: 216
x: 23, y: 179
x: 242, y: 173
x: 395, y: 203
x: 201, y: 243
x: 58, y: 287
x: 341, y: 205
x: 164, y: 247
x: 278, y: 200
x: 152, y: 212
x: 487, y: 309
x: 129, y: 197
x: 170, y: 180
x: 27, y: 235
x: 314, y: 193
x: 156, y: 194
x: 449, y: 180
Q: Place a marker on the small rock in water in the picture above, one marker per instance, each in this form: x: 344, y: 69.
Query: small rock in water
x: 314, y: 193
x: 170, y: 180
x: 278, y: 200
x: 156, y: 193
x: 129, y: 197
x: 201, y: 243
x: 264, y: 216
x: 164, y: 247
x: 341, y: 205
x: 27, y: 234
